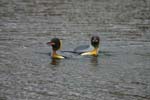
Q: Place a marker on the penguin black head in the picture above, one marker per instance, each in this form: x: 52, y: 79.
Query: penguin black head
x: 95, y: 41
x: 55, y: 43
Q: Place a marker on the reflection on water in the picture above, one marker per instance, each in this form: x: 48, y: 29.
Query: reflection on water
x: 94, y: 61
x: 55, y: 61
x: 3, y: 98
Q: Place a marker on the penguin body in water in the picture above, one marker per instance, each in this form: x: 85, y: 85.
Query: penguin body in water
x: 92, y: 49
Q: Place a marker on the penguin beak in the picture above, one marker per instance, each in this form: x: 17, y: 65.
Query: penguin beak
x: 50, y: 43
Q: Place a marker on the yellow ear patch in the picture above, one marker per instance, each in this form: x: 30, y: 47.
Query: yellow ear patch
x: 60, y: 44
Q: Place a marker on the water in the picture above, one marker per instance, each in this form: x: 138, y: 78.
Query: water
x: 120, y: 72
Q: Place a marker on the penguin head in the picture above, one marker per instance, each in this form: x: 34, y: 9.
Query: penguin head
x: 95, y: 40
x: 55, y: 43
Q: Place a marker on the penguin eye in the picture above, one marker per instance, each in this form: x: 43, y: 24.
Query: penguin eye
x: 95, y: 40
